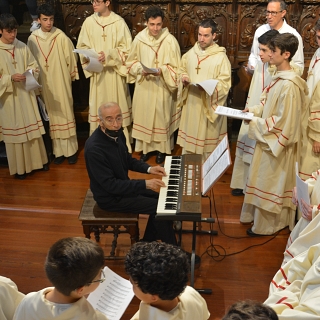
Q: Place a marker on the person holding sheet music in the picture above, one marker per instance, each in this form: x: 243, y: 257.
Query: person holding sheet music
x: 22, y: 128
x: 245, y: 146
x: 108, y: 34
x: 155, y: 117
x: 74, y: 266
x: 276, y: 127
x: 58, y: 64
x: 200, y: 128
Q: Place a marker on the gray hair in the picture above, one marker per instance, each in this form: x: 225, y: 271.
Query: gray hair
x: 106, y: 106
x: 317, y: 25
x: 283, y: 5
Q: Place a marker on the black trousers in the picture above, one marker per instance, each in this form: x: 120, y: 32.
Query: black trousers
x: 145, y: 203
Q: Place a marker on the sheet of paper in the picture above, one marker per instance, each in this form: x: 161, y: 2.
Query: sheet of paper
x: 31, y: 83
x: 94, y: 65
x: 113, y: 296
x: 207, y: 85
x: 302, y: 189
x: 215, y: 155
x: 233, y: 113
x: 43, y: 110
x: 216, y: 171
x: 148, y: 70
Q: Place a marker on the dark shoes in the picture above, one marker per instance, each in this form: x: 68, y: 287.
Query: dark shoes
x: 145, y: 157
x: 252, y: 234
x: 237, y: 192
x: 20, y: 176
x: 73, y: 159
x: 59, y: 160
x: 160, y: 157
x: 45, y: 167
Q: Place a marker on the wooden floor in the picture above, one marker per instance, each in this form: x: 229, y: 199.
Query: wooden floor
x: 38, y: 211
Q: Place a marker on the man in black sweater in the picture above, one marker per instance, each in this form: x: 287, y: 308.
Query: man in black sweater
x: 108, y: 163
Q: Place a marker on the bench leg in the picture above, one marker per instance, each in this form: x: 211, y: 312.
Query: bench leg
x: 133, y: 230
x: 87, y: 231
x: 115, y: 239
x: 96, y: 231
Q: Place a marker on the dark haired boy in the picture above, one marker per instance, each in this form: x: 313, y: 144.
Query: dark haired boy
x: 159, y: 274
x: 155, y: 116
x: 58, y: 65
x: 22, y: 128
x: 74, y: 267
x: 200, y: 128
x: 276, y: 127
x: 108, y: 34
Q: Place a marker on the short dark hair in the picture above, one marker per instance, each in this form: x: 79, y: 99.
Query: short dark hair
x: 209, y: 23
x: 158, y: 268
x: 285, y: 42
x: 8, y: 22
x: 250, y: 310
x: 46, y: 9
x: 267, y: 36
x: 317, y: 25
x: 72, y: 263
x: 283, y: 5
x: 153, y: 12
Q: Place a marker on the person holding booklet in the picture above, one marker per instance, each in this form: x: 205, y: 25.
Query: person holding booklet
x: 200, y: 128
x: 159, y: 276
x: 108, y: 34
x: 58, y: 64
x: 245, y: 146
x: 276, y: 127
x: 155, y: 117
x: 22, y: 128
x: 74, y: 266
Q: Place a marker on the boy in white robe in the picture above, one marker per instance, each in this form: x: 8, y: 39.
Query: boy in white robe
x: 74, y: 267
x: 58, y: 64
x: 159, y: 274
x: 22, y: 128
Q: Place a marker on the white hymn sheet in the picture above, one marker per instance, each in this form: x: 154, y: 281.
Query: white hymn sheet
x: 43, y: 110
x: 94, y: 65
x: 233, y: 113
x: 113, y: 296
x: 302, y: 189
x: 207, y: 85
x: 31, y: 83
x: 148, y: 70
x: 216, y: 171
x: 214, y: 156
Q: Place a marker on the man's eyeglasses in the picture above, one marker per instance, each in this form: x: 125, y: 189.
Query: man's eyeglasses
x: 103, y: 277
x: 111, y: 121
x: 96, y: 2
x: 273, y: 13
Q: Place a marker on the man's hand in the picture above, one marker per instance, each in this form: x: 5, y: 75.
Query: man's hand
x: 102, y: 57
x: 18, y: 77
x: 316, y: 147
x: 154, y: 184
x: 249, y: 69
x: 246, y: 110
x: 185, y: 81
x: 157, y: 170
x: 294, y: 196
x: 306, y: 210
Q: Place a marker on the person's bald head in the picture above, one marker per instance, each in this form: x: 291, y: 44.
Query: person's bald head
x: 110, y: 116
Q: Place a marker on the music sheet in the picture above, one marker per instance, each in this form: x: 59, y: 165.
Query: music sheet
x: 302, y: 189
x: 113, y: 296
x: 31, y: 82
x: 148, y: 70
x: 94, y: 65
x: 207, y: 85
x: 233, y: 113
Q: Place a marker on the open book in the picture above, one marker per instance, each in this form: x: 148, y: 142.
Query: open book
x: 233, y: 113
x: 113, y: 296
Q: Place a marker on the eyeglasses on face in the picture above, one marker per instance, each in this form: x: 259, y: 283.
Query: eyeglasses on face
x: 96, y: 2
x: 273, y: 13
x: 111, y: 121
x: 103, y: 278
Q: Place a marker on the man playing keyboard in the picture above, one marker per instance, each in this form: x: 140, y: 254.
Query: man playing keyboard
x: 108, y: 162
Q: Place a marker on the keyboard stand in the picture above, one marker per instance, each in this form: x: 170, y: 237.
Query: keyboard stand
x: 194, y: 219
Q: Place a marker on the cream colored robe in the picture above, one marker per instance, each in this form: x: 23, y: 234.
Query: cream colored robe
x: 21, y: 123
x: 310, y: 161
x: 276, y: 128
x: 10, y: 297
x: 155, y: 116
x: 110, y: 84
x: 56, y: 86
x: 191, y: 306
x: 294, y: 291
x: 306, y: 233
x: 245, y: 146
x: 200, y: 128
x: 35, y: 306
